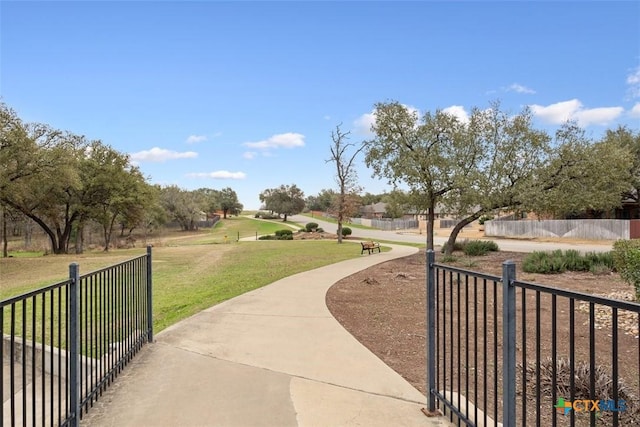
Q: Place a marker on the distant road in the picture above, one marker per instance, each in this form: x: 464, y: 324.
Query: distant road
x: 511, y: 245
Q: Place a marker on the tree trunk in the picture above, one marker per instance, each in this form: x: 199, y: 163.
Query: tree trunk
x: 5, y: 242
x: 339, y: 231
x: 285, y: 218
x: 80, y: 238
x: 457, y: 229
x: 431, y: 217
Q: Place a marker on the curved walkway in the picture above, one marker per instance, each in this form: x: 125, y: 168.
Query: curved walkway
x: 271, y: 357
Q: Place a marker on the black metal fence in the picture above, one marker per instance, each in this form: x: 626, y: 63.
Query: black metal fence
x: 62, y: 345
x: 501, y: 350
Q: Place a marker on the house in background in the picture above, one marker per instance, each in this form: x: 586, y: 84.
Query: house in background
x: 379, y: 210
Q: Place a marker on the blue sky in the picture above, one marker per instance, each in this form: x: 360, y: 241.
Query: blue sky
x: 245, y: 94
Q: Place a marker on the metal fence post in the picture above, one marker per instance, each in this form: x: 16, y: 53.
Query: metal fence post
x: 431, y: 330
x: 509, y: 343
x: 149, y: 297
x: 74, y: 344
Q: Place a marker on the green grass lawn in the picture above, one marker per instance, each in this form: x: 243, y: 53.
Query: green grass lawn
x: 191, y: 271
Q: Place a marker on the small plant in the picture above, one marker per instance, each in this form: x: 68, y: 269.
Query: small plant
x: 311, y: 227
x: 320, y: 230
x: 599, y: 269
x: 280, y: 233
x: 469, y: 263
x: 346, y: 231
x: 449, y: 259
x: 267, y: 237
x: 480, y: 247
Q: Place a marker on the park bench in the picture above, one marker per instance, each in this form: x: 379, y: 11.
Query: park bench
x: 370, y: 247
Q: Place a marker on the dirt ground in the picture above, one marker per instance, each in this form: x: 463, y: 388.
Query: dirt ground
x: 384, y: 308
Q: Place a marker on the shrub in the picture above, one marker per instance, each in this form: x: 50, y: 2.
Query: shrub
x: 605, y: 258
x: 346, y: 231
x: 267, y: 237
x: 626, y: 259
x: 457, y: 246
x: 571, y: 260
x: 449, y: 258
x: 575, y: 261
x: 599, y: 269
x: 544, y: 262
x: 311, y: 226
x: 320, y: 230
x: 281, y: 233
x: 480, y: 247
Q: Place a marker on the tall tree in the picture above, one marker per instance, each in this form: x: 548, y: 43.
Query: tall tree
x: 111, y: 190
x: 343, y: 155
x: 428, y: 154
x: 322, y: 201
x: 627, y: 138
x: 581, y: 175
x: 182, y: 206
x: 40, y: 179
x: 228, y: 200
x: 505, y: 153
x: 398, y: 203
x: 285, y: 200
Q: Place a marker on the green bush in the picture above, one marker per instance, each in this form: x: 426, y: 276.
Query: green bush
x: 311, y: 226
x: 626, y: 259
x: 570, y: 260
x: 544, y: 263
x: 279, y: 235
x: 575, y: 261
x: 320, y: 230
x: 605, y: 258
x: 479, y: 247
x: 346, y: 231
x: 457, y: 246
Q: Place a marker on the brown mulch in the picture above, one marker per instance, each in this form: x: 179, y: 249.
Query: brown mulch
x: 384, y: 308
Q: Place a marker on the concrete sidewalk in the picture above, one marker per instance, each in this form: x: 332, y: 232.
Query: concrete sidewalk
x: 272, y: 357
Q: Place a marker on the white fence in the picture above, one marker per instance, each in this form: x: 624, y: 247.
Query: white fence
x: 396, y: 224
x: 597, y: 229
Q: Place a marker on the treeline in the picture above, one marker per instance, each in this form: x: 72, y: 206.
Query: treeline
x: 64, y: 182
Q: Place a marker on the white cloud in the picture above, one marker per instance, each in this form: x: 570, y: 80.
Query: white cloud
x: 282, y: 140
x: 219, y: 175
x: 362, y: 125
x: 635, y: 111
x: 160, y: 155
x: 457, y: 111
x: 518, y: 88
x: 250, y: 155
x: 194, y: 139
x: 573, y: 109
x: 633, y: 80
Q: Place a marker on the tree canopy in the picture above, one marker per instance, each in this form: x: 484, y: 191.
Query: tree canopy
x: 284, y: 200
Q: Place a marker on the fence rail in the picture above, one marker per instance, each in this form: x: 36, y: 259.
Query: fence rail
x: 501, y: 350
x: 62, y: 345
